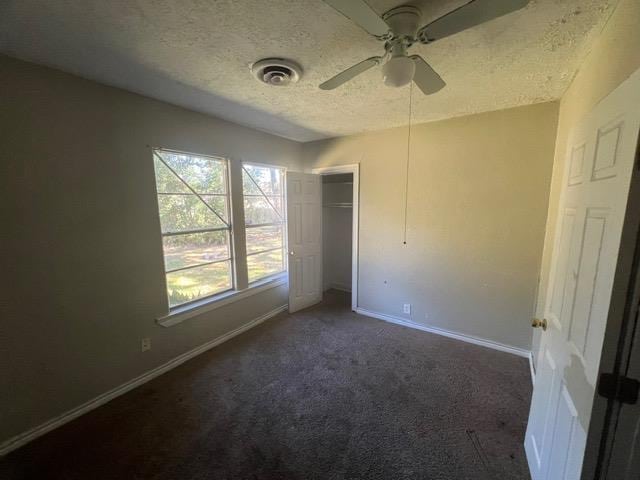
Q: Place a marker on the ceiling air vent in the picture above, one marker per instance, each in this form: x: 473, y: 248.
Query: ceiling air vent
x: 276, y: 71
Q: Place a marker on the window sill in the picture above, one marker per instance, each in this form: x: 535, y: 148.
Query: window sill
x: 180, y: 314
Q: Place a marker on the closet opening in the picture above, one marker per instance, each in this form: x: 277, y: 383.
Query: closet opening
x: 340, y: 229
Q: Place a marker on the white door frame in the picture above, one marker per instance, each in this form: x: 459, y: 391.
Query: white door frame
x: 353, y: 168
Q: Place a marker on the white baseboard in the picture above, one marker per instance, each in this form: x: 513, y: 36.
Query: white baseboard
x: 339, y: 286
x: 56, y: 422
x: 521, y: 352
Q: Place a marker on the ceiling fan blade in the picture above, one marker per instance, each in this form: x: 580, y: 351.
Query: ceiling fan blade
x: 426, y: 78
x: 360, y: 13
x: 350, y: 72
x: 469, y: 15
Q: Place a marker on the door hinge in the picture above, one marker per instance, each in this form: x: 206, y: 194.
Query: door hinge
x: 622, y: 389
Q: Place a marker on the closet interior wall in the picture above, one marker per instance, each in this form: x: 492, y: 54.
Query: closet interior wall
x: 337, y: 219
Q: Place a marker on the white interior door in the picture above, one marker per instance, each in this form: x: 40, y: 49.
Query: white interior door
x: 600, y: 157
x: 304, y: 213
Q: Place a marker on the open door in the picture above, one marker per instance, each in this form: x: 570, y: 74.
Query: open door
x: 304, y: 214
x: 600, y: 158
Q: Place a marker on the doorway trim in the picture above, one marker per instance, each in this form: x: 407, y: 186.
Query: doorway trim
x: 353, y: 168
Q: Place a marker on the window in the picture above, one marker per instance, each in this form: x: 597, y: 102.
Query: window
x: 199, y: 238
x: 263, y: 192
x: 193, y: 201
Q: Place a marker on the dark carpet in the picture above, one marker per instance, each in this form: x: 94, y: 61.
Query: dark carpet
x: 321, y: 394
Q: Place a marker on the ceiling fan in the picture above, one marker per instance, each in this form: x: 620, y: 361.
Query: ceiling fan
x: 399, y: 29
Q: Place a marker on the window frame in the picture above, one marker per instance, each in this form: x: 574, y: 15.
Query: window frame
x: 231, y: 259
x: 283, y: 219
x: 236, y: 227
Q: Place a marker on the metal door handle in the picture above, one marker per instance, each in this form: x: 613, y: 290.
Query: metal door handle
x: 537, y: 323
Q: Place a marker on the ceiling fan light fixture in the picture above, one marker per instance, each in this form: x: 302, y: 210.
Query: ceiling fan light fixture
x: 398, y: 71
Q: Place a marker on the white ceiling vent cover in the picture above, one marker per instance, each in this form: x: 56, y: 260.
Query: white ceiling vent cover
x: 276, y: 71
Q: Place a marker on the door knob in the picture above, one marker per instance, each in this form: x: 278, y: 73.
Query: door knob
x: 291, y: 252
x: 537, y: 323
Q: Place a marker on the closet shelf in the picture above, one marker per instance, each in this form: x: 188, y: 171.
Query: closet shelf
x: 338, y: 205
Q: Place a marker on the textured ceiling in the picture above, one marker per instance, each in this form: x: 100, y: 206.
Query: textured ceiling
x: 196, y: 53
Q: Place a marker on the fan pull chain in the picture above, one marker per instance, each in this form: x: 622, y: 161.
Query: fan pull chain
x: 406, y: 185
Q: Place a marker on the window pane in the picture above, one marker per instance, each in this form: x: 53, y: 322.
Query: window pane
x: 264, y: 264
x: 198, y: 282
x: 203, y: 174
x: 264, y: 238
x: 185, y: 212
x: 218, y: 203
x: 166, y: 181
x: 264, y: 204
x: 257, y: 210
x: 194, y: 249
x: 188, y: 256
x: 268, y: 179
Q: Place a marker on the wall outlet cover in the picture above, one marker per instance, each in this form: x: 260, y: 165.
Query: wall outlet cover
x: 146, y: 344
x: 407, y: 308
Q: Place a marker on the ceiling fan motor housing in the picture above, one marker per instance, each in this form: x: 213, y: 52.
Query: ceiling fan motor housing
x: 277, y: 72
x: 404, y: 21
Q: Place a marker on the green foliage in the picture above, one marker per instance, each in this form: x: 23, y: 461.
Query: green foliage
x: 264, y: 238
x: 257, y: 210
x: 177, y: 297
x: 263, y: 202
x: 180, y: 209
x: 187, y: 212
x: 264, y: 264
x: 198, y: 282
x: 203, y: 174
x: 269, y: 180
x: 197, y: 248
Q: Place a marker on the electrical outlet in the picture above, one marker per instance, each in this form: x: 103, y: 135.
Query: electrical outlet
x: 426, y: 316
x: 146, y: 344
x: 407, y: 308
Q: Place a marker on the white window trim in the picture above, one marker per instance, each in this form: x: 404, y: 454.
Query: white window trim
x: 184, y: 312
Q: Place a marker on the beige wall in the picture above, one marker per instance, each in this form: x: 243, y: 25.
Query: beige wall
x: 82, y: 267
x: 478, y: 192
x: 614, y: 56
x: 336, y: 248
